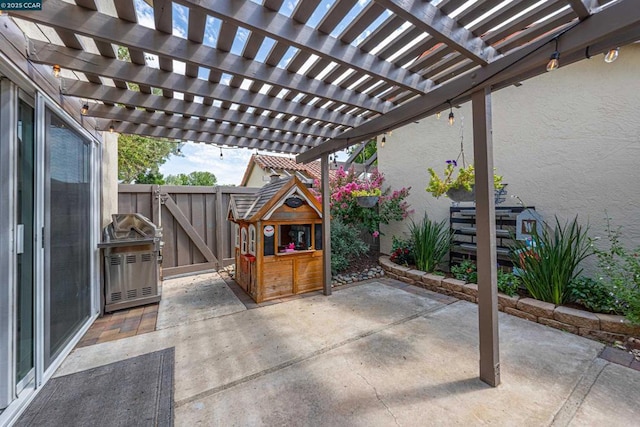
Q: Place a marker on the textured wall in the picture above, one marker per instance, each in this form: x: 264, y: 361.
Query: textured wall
x: 567, y: 142
x: 256, y: 177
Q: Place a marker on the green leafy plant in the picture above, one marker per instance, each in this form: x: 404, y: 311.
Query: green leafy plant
x: 551, y: 262
x: 508, y: 283
x: 346, y: 245
x: 466, y: 178
x: 402, y: 251
x: 367, y: 192
x: 466, y: 271
x: 431, y: 242
x: 595, y: 296
x: 620, y: 271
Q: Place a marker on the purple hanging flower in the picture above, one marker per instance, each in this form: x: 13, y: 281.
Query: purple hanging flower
x: 452, y: 162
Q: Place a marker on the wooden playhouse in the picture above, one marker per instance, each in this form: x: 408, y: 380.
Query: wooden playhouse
x: 278, y: 240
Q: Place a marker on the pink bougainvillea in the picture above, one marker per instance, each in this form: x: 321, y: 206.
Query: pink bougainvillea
x: 391, y: 206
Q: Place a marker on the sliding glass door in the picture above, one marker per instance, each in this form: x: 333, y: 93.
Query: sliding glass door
x: 25, y: 247
x: 67, y: 234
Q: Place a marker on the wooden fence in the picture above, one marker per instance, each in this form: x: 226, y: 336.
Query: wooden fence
x: 196, y: 233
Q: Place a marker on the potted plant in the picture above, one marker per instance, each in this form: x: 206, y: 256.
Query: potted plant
x: 367, y: 198
x: 460, y: 188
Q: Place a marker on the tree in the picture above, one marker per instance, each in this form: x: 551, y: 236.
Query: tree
x: 140, y: 155
x: 194, y: 178
x: 369, y: 150
x: 151, y: 177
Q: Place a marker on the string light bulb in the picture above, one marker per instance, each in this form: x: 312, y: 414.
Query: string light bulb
x: 335, y: 160
x: 554, y: 59
x: 452, y: 118
x: 85, y: 109
x: 438, y: 115
x: 384, y: 140
x: 612, y: 55
x: 56, y: 70
x: 111, y: 128
x: 221, y: 156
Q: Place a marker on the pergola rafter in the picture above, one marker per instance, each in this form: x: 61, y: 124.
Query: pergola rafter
x: 207, y: 126
x: 442, y: 28
x: 328, y: 73
x: 276, y: 26
x: 616, y: 23
x: 234, y: 117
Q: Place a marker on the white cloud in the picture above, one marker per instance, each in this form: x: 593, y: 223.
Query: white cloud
x: 205, y: 157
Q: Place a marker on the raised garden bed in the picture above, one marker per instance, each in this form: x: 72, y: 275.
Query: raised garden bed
x: 602, y: 327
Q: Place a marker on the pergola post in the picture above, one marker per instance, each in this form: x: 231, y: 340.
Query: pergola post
x: 486, y: 238
x: 326, y: 221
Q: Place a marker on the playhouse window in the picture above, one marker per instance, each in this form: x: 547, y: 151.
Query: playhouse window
x: 252, y: 239
x: 317, y: 236
x: 243, y: 243
x: 294, y: 236
x: 237, y: 234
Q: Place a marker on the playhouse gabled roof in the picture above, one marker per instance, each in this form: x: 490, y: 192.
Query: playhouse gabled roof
x: 252, y: 207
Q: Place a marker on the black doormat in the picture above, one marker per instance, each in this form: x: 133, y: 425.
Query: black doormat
x: 132, y: 392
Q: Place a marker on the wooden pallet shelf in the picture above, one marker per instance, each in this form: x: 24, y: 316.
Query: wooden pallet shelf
x: 462, y: 221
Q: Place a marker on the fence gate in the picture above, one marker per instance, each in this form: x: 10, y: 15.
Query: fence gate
x: 196, y: 234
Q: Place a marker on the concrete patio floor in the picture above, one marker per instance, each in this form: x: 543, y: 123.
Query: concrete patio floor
x: 375, y: 354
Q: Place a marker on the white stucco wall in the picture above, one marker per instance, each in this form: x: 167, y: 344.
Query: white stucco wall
x: 567, y: 142
x: 256, y: 177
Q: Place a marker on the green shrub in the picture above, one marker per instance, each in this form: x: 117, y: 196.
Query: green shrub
x: 466, y: 271
x: 552, y: 261
x: 431, y: 242
x: 346, y: 244
x: 594, y: 295
x: 402, y: 251
x: 508, y: 283
x: 620, y: 270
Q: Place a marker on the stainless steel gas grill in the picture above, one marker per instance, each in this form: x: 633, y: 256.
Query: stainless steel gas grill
x: 132, y: 255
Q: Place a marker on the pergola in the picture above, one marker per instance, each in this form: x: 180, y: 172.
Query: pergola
x: 311, y: 77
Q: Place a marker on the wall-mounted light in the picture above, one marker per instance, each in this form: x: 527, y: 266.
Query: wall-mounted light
x: 85, y: 109
x: 554, y: 59
x: 56, y: 70
x: 612, y: 55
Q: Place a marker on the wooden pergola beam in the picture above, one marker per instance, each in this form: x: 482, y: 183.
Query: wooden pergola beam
x: 428, y: 18
x: 581, y: 8
x: 219, y: 140
x: 95, y: 91
x: 620, y: 19
x: 78, y: 60
x: 102, y: 27
x: 285, y: 30
x: 197, y: 125
x: 232, y: 117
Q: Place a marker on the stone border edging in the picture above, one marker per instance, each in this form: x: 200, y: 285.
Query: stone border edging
x: 601, y: 327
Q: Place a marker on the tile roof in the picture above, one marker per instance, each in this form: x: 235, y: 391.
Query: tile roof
x: 312, y: 169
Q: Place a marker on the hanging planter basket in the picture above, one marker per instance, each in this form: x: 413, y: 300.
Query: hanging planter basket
x: 367, y: 201
x: 462, y: 195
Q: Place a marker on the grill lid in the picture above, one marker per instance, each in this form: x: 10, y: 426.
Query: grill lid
x: 130, y: 228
